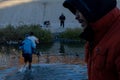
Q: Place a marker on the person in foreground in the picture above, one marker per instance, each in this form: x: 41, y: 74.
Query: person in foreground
x: 101, y: 22
x: 27, y: 46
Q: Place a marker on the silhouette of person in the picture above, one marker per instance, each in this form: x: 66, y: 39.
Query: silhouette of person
x: 62, y: 20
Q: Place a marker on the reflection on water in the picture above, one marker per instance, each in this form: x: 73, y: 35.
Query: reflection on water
x: 52, y: 72
x: 28, y: 76
x: 11, y: 56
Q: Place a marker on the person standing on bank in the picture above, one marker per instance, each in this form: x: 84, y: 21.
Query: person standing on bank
x: 62, y: 20
x: 101, y: 22
x: 26, y: 47
x: 34, y: 39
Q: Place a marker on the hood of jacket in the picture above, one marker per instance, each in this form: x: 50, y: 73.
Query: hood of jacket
x: 103, y: 25
x: 92, y: 10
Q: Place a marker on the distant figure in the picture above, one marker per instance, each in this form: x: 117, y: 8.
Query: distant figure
x: 47, y: 23
x: 27, y: 46
x: 34, y: 39
x: 62, y: 20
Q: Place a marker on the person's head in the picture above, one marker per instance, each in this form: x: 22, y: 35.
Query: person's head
x: 26, y: 35
x: 89, y: 11
x: 31, y: 33
x: 81, y: 19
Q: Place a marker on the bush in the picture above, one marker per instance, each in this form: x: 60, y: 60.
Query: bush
x: 7, y: 33
x: 72, y: 36
x: 11, y: 33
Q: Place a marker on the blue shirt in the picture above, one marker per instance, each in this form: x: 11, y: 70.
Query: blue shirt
x: 27, y: 46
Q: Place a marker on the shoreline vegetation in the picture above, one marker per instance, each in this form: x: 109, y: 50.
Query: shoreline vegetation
x: 10, y: 36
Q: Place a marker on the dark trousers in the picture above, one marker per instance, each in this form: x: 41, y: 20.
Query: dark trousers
x: 62, y: 23
x: 27, y: 57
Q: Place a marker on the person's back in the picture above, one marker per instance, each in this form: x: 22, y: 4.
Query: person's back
x: 62, y: 17
x: 33, y: 39
x: 27, y: 46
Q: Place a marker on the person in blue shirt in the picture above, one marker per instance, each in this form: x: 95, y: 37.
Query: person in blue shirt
x: 27, y: 46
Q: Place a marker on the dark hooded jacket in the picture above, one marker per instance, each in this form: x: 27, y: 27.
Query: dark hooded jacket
x: 103, y: 49
x: 92, y: 10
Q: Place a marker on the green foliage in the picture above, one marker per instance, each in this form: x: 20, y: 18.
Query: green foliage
x: 7, y: 33
x: 72, y: 34
x: 11, y: 33
x: 46, y: 36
